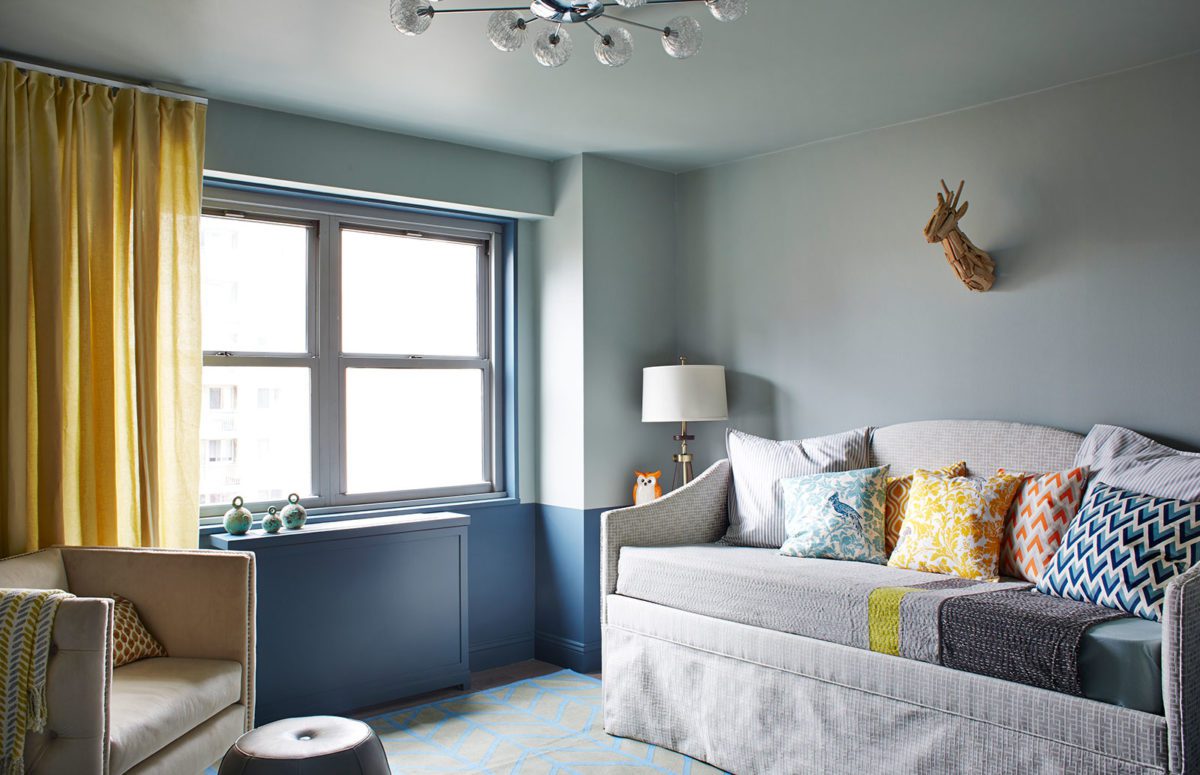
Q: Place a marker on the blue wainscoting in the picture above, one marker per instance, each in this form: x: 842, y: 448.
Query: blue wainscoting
x: 533, y: 585
x: 500, y: 583
x: 568, y: 587
x: 399, y: 629
x: 500, y: 571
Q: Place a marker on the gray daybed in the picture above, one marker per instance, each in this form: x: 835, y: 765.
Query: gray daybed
x: 698, y: 657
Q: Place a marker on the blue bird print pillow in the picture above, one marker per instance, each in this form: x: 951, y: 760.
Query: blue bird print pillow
x: 838, y: 516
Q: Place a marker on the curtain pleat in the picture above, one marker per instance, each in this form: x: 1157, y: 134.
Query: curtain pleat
x: 100, y: 207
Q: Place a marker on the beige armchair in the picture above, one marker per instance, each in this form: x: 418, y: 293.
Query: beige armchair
x: 176, y: 714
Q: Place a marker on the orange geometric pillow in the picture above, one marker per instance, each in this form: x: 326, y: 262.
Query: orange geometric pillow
x: 131, y: 640
x: 898, y: 488
x: 1038, y: 520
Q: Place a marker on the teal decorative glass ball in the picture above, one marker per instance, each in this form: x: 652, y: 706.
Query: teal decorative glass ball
x: 272, y: 522
x: 293, y: 514
x: 238, y: 519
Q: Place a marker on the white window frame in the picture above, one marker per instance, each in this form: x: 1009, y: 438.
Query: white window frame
x: 326, y: 216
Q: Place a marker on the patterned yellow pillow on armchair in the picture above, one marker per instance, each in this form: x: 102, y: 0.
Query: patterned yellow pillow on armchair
x: 131, y: 640
x: 954, y: 524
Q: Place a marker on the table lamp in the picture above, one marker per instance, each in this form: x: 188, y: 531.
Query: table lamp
x: 683, y: 394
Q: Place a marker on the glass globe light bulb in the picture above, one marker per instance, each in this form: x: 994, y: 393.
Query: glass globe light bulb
x: 506, y: 30
x: 682, y: 37
x: 412, y: 17
x: 727, y: 10
x: 615, y: 47
x: 552, y: 47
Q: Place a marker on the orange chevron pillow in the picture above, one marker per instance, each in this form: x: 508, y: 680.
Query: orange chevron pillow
x: 898, y: 488
x: 1038, y: 520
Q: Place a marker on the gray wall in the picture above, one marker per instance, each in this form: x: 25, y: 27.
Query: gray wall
x: 806, y: 273
x: 629, y: 322
x: 558, y: 319
x: 604, y: 308
x: 268, y: 144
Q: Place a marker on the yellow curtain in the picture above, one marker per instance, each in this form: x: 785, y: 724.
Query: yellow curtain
x: 100, y: 321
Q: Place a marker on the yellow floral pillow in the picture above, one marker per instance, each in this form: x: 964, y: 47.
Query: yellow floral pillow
x: 898, y: 488
x: 954, y: 524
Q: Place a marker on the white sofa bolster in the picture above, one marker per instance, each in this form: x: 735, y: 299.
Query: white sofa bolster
x: 1181, y: 671
x: 696, y: 513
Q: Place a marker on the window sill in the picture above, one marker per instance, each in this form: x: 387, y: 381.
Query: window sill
x: 369, y: 513
x: 343, y: 529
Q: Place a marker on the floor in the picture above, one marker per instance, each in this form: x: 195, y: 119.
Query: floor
x: 481, y: 680
x: 545, y: 725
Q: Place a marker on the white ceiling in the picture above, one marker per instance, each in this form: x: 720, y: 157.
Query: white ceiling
x: 791, y: 72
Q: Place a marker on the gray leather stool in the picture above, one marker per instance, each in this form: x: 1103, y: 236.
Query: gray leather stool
x: 317, y: 745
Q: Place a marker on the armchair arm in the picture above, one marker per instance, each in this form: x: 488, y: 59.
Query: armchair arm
x: 77, y: 692
x: 1181, y: 671
x: 197, y: 603
x: 696, y: 513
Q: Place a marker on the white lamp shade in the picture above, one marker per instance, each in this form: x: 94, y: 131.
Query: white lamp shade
x: 684, y: 394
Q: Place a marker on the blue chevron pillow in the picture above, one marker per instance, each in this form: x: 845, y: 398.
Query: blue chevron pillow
x: 1122, y: 549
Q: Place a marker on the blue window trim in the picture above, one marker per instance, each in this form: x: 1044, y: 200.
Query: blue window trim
x: 508, y: 317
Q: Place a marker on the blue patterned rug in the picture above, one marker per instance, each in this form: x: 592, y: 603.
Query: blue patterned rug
x: 550, y: 725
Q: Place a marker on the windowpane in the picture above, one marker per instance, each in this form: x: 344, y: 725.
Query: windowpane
x: 254, y: 277
x: 411, y: 429
x: 409, y: 295
x: 250, y: 449
x: 399, y: 427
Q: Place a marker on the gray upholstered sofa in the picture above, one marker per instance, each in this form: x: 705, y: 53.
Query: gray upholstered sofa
x: 173, y: 715
x: 754, y: 699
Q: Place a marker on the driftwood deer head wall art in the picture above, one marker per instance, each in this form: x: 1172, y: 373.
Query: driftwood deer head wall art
x: 973, y: 266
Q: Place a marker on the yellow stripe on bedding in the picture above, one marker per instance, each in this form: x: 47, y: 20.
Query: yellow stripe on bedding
x: 883, y: 618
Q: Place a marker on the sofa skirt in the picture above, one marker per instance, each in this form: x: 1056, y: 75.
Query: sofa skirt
x: 751, y: 700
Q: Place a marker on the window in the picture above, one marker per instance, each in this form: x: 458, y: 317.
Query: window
x: 267, y: 396
x: 221, y: 450
x: 365, y: 341
x: 222, y: 397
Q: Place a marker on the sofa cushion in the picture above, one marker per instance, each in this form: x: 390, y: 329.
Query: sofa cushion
x: 38, y: 570
x: 836, y: 515
x: 131, y: 640
x: 955, y: 524
x: 156, y: 701
x: 199, y: 748
x: 1038, y: 520
x: 812, y: 597
x: 1129, y: 460
x: 1123, y: 549
x: 756, y: 506
x: 1120, y: 662
x: 898, y: 490
x: 761, y: 587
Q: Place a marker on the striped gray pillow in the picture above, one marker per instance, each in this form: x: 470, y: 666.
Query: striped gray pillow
x: 756, y: 505
x: 1122, y: 458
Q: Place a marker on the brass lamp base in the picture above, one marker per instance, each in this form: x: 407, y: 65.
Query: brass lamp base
x: 683, y: 458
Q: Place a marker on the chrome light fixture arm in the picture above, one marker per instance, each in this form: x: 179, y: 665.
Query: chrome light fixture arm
x: 681, y: 36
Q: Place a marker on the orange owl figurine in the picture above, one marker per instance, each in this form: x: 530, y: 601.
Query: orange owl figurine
x: 646, y: 488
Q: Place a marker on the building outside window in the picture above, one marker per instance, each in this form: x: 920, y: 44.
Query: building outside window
x: 222, y: 396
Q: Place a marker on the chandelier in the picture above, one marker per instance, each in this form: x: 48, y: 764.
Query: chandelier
x: 509, y: 26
